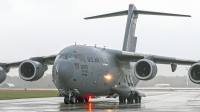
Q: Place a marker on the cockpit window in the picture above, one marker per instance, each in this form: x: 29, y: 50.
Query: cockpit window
x: 69, y: 56
x: 62, y: 56
x: 79, y: 57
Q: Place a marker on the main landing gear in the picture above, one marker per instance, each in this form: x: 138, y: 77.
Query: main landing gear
x: 133, y: 98
x: 73, y: 99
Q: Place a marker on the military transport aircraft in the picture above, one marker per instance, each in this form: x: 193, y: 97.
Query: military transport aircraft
x: 80, y: 71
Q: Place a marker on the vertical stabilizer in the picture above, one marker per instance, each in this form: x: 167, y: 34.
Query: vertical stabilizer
x: 129, y: 39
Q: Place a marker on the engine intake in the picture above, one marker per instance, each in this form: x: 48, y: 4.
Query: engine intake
x: 2, y: 75
x: 31, y: 70
x: 145, y: 69
x: 194, y: 73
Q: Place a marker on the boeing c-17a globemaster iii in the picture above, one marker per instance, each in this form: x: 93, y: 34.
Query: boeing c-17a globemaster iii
x: 81, y: 71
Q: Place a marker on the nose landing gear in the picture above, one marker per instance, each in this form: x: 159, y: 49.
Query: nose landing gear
x: 66, y: 100
x: 71, y: 100
x: 69, y: 95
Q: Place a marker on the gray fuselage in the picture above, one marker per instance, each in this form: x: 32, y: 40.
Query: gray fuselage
x: 84, y: 68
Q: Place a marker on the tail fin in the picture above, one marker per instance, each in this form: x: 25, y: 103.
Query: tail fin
x: 129, y: 39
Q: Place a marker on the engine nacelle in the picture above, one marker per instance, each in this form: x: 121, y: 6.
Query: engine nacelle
x: 194, y: 73
x: 145, y: 69
x: 2, y: 75
x: 30, y: 70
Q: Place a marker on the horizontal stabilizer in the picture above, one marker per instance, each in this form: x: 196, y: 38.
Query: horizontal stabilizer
x: 121, y: 13
x: 159, y: 13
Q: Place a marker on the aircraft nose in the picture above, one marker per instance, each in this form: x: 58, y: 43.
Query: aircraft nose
x: 65, y: 70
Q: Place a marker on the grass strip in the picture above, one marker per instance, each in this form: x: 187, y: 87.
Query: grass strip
x: 17, y: 94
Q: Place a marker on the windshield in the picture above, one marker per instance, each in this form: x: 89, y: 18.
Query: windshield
x: 70, y: 56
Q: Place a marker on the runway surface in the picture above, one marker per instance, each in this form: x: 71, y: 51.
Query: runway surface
x: 179, y: 100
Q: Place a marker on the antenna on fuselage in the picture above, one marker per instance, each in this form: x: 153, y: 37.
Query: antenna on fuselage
x: 75, y: 43
x: 95, y: 45
x: 104, y: 47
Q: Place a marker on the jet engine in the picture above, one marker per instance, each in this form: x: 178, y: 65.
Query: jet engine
x: 30, y: 70
x: 145, y: 69
x: 194, y: 73
x: 2, y: 75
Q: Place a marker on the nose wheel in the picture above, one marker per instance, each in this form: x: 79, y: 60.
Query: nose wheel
x: 68, y: 100
x: 73, y: 100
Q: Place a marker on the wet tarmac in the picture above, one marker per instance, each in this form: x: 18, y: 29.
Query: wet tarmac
x: 168, y: 101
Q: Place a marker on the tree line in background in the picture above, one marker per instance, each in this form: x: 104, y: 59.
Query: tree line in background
x: 174, y: 81
x: 46, y: 82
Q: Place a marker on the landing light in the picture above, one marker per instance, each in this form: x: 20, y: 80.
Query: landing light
x: 108, y: 77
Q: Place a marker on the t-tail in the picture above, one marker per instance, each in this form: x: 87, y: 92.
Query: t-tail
x: 129, y: 39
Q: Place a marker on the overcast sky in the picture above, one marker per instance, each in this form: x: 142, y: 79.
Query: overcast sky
x: 43, y: 27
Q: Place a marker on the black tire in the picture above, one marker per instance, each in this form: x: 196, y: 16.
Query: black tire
x: 140, y: 98
x: 76, y: 99
x: 80, y: 99
x: 73, y: 100
x: 121, y: 100
x: 130, y: 99
x: 66, y: 100
x: 136, y: 100
x: 86, y: 99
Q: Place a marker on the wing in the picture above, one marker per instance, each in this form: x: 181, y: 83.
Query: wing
x: 130, y: 56
x: 46, y: 60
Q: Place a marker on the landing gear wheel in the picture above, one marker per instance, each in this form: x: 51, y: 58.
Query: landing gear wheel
x: 80, y: 99
x: 121, y: 99
x: 139, y: 98
x: 130, y: 99
x: 73, y: 100
x: 86, y: 99
x: 66, y: 100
